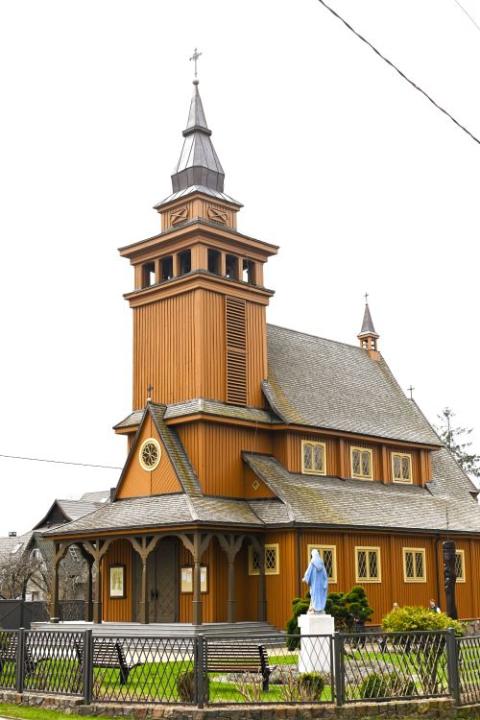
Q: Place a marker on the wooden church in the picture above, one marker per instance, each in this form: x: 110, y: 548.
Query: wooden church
x: 251, y: 444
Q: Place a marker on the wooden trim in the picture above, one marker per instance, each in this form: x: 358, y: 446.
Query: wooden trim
x: 367, y: 549
x: 361, y: 476
x: 312, y: 546
x: 402, y: 455
x: 117, y: 566
x: 463, y: 577
x: 416, y: 578
x: 314, y: 443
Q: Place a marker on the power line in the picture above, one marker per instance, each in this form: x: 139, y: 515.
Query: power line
x: 402, y: 74
x: 60, y: 462
x: 470, y: 17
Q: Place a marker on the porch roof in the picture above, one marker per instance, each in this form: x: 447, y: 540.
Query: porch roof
x: 162, y: 511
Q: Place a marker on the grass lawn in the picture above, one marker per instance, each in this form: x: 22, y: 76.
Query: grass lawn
x: 36, y: 713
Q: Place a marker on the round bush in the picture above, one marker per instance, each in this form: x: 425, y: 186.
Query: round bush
x: 186, y: 686
x: 374, y: 686
x: 313, y: 684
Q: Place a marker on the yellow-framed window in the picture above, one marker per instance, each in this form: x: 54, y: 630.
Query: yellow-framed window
x: 460, y: 565
x: 361, y: 461
x: 368, y: 566
x: 314, y: 456
x: 328, y: 553
x: 272, y: 560
x: 414, y: 565
x: 402, y: 468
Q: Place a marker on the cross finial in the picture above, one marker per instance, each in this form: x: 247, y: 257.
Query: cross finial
x: 366, y: 298
x: 410, y: 390
x: 149, y: 393
x: 195, y: 57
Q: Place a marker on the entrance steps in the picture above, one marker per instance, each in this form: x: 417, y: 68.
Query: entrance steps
x: 165, y: 630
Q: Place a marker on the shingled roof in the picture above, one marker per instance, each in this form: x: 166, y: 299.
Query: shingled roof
x: 164, y: 511
x: 445, y: 504
x: 326, y: 384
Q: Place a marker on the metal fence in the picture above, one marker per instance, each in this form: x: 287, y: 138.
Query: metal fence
x: 15, y: 614
x: 346, y: 668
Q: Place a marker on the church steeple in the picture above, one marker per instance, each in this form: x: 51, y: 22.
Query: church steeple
x: 368, y: 336
x: 198, y: 165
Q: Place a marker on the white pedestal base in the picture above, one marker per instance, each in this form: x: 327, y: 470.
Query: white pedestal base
x: 315, y: 652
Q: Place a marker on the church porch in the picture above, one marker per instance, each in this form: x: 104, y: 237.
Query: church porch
x: 188, y: 577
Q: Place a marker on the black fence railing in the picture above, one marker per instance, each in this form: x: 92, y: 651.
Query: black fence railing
x: 345, y: 668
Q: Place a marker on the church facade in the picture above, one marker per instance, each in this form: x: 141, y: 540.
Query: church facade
x: 251, y: 444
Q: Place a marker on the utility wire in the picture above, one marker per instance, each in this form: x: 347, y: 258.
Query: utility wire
x: 392, y: 65
x: 470, y: 17
x: 60, y: 462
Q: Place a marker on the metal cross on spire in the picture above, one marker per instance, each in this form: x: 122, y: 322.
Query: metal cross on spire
x: 410, y: 390
x: 195, y: 57
x: 149, y: 392
x: 366, y: 298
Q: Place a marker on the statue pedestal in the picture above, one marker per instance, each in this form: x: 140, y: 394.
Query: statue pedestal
x: 315, y: 652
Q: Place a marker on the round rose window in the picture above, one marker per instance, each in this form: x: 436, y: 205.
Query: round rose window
x: 149, y: 455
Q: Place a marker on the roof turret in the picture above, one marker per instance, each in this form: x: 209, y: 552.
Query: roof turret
x: 198, y: 163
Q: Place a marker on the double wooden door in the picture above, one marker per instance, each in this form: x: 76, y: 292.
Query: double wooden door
x: 163, y: 582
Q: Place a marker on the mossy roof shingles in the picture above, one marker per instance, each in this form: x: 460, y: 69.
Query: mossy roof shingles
x: 326, y: 384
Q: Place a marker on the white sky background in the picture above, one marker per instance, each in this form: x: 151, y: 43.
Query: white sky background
x: 363, y: 184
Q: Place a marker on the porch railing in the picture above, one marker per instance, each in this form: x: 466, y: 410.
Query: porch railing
x: 274, y: 669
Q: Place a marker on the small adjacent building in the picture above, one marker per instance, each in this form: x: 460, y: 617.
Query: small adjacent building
x: 250, y: 444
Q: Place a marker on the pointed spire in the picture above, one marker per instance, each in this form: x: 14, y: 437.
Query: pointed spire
x: 198, y: 164
x: 367, y: 325
x: 368, y: 336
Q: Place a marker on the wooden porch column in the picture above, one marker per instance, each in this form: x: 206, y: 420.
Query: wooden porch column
x: 231, y: 545
x: 144, y: 548
x: 59, y: 554
x: 196, y: 548
x: 88, y: 599
x: 259, y: 546
x: 98, y: 551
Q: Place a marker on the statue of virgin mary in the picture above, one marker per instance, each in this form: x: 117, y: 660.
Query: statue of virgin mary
x: 317, y: 579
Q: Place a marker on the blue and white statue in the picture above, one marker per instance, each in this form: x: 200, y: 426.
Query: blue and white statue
x: 317, y: 579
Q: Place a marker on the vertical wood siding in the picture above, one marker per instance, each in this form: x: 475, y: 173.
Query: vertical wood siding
x: 118, y: 610
x: 139, y: 482
x: 180, y: 347
x: 216, y: 454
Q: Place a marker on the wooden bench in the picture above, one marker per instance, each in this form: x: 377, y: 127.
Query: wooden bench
x: 238, y: 657
x: 9, y: 653
x: 108, y: 655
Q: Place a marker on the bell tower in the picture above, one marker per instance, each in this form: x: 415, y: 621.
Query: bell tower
x: 199, y: 303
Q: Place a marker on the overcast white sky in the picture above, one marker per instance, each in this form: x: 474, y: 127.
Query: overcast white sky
x: 363, y: 184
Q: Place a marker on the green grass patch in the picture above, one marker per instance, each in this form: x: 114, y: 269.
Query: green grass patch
x: 36, y: 713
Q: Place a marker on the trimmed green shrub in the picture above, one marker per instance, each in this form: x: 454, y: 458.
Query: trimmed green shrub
x: 312, y: 685
x: 347, y: 609
x: 411, y: 618
x: 376, y: 686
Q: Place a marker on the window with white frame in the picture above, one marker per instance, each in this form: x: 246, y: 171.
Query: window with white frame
x: 328, y: 553
x: 402, y: 468
x: 460, y: 565
x: 368, y: 564
x: 272, y: 560
x: 313, y: 457
x: 362, y: 463
x: 414, y: 565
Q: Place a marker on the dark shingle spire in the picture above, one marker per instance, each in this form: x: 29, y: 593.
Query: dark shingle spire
x: 367, y: 325
x: 368, y: 336
x: 198, y: 163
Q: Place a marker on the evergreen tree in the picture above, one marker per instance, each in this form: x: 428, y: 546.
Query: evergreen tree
x: 455, y: 438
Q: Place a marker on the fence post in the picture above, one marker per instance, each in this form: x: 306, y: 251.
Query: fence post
x: 338, y: 642
x: 199, y: 670
x: 20, y: 669
x: 87, y: 667
x: 452, y: 664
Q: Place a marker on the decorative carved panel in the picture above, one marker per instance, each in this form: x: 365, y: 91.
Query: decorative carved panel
x: 217, y: 215
x: 179, y: 215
